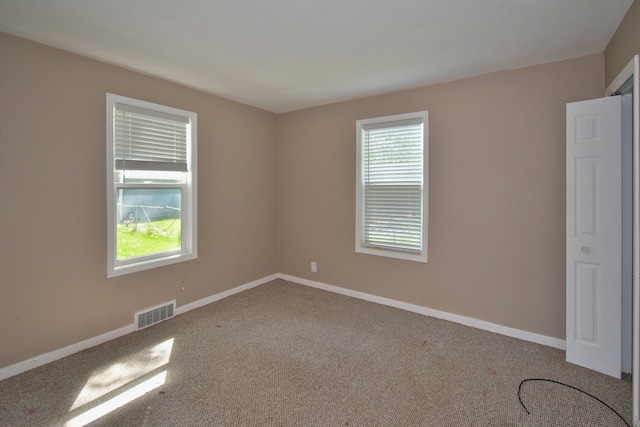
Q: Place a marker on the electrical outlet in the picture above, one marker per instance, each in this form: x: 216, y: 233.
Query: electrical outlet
x: 314, y: 267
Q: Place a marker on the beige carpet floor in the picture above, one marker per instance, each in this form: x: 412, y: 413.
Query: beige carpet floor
x: 287, y: 355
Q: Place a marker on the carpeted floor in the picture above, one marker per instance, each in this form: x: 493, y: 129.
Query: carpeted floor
x: 287, y: 355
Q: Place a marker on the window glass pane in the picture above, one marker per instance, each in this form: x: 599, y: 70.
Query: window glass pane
x: 148, y: 221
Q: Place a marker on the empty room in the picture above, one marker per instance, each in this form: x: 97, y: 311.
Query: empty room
x: 319, y: 213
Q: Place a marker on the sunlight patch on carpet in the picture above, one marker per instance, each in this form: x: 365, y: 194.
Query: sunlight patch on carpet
x: 118, y: 401
x: 123, y: 379
x: 123, y: 372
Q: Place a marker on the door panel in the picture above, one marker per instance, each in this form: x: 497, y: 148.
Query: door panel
x: 593, y: 240
x: 586, y: 175
x: 587, y: 276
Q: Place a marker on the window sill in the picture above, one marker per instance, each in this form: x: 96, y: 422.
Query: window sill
x: 417, y: 257
x: 136, y: 266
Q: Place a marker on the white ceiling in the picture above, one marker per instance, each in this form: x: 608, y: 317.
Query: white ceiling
x: 283, y: 55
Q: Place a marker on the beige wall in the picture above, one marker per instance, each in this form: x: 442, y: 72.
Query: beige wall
x: 54, y: 289
x: 624, y: 44
x: 497, y: 195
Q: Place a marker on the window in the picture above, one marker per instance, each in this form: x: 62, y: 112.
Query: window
x: 391, y: 191
x: 151, y: 185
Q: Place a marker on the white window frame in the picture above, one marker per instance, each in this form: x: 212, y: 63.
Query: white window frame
x: 189, y: 210
x: 361, y: 245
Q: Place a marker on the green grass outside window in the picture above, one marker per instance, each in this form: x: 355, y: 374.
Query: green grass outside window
x: 146, y: 238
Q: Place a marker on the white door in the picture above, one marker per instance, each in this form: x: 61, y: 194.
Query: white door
x: 594, y: 228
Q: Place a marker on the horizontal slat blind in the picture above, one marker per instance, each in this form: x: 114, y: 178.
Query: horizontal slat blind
x: 149, y: 140
x: 392, y: 174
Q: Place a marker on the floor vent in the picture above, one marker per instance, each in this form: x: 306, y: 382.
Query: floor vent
x: 154, y: 315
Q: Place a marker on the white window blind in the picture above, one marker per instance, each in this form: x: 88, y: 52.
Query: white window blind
x: 392, y: 173
x: 149, y: 140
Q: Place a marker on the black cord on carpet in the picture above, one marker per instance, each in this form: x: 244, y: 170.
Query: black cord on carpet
x: 570, y: 386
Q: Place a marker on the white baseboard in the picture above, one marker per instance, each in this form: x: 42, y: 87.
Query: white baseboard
x: 221, y: 295
x: 456, y: 318
x: 43, y: 359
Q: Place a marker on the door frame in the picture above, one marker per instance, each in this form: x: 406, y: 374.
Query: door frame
x: 631, y: 75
